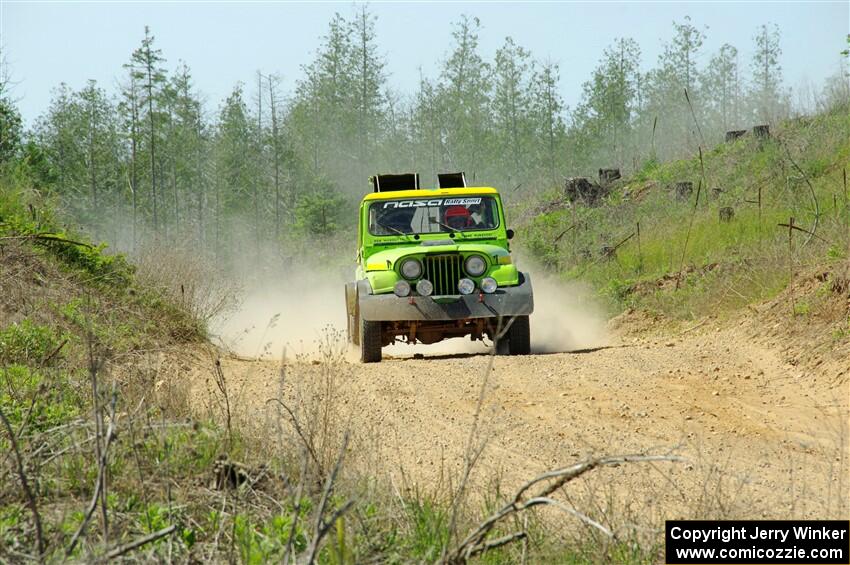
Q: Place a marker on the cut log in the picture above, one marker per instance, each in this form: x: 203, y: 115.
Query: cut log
x: 734, y: 134
x: 761, y: 132
x: 583, y: 190
x: 727, y: 213
x: 607, y: 176
x: 684, y: 190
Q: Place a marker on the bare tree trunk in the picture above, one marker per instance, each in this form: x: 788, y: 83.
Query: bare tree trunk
x: 276, y: 157
x: 152, y: 138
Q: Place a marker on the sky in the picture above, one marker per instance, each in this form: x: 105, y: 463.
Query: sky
x: 47, y: 43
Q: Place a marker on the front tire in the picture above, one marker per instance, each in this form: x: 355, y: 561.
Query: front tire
x: 519, y: 336
x: 370, y: 341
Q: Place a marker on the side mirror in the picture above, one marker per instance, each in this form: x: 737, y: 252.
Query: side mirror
x: 510, y: 233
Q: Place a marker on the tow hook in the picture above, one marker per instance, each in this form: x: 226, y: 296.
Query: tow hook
x: 410, y: 300
x: 480, y: 297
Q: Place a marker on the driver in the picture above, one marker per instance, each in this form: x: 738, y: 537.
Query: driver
x: 457, y: 217
x: 477, y: 215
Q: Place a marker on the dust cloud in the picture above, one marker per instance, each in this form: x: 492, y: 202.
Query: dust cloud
x: 290, y: 314
x: 566, y: 316
x: 296, y: 312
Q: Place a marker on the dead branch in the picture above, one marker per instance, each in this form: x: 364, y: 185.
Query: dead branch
x: 811, y: 233
x: 472, y: 453
x: 221, y: 383
x: 688, y: 236
x: 308, y: 445
x: 46, y: 237
x: 299, y: 492
x: 322, y: 526
x: 100, y: 483
x: 128, y: 547
x: 811, y: 190
x: 476, y: 542
x: 22, y: 476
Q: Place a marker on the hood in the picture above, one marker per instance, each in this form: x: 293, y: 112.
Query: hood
x: 386, y: 260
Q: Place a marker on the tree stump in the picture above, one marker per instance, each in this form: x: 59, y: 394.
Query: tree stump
x: 582, y: 189
x: 607, y: 252
x: 761, y: 132
x: 734, y: 134
x: 608, y: 175
x: 726, y: 214
x: 684, y: 190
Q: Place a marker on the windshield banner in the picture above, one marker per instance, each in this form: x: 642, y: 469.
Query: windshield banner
x: 433, y: 202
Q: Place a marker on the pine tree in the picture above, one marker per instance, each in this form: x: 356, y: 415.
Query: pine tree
x: 463, y: 91
x: 511, y: 107
x: 546, y: 111
x: 369, y: 81
x: 721, y: 91
x: 145, y: 68
x: 665, y: 87
x: 766, y: 74
x: 609, y: 102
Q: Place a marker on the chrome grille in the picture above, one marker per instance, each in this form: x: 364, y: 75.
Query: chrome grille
x: 444, y: 271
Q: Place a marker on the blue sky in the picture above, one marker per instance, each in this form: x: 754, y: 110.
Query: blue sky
x: 47, y: 43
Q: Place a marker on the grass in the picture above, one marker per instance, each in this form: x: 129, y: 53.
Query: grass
x: 752, y: 251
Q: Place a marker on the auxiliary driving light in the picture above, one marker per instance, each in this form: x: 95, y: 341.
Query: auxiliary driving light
x: 475, y: 265
x: 424, y: 287
x: 488, y: 285
x: 411, y: 269
x: 465, y: 286
x: 401, y: 288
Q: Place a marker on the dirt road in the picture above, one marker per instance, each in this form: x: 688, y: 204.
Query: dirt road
x: 762, y: 437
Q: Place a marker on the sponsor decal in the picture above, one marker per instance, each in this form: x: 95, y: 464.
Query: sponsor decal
x: 432, y: 202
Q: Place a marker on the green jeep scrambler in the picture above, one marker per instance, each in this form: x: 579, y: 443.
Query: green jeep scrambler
x: 435, y: 264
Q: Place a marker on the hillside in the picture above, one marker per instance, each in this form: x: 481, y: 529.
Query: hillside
x: 646, y: 247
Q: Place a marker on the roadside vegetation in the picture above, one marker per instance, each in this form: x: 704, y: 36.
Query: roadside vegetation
x: 645, y: 246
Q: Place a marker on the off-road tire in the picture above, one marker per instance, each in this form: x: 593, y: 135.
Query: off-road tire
x: 370, y: 341
x: 519, y: 336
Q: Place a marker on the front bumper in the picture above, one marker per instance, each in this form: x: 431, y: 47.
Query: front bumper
x: 506, y: 301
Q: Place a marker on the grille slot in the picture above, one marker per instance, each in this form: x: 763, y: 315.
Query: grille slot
x: 444, y: 271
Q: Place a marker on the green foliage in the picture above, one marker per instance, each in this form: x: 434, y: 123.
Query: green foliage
x: 10, y: 129
x: 28, y: 343
x: 264, y: 542
x: 725, y: 265
x: 29, y: 395
x: 319, y: 213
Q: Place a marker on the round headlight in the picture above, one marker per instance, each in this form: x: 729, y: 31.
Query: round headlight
x: 475, y: 265
x: 401, y: 288
x: 411, y: 269
x: 465, y: 286
x: 424, y: 287
x: 488, y: 285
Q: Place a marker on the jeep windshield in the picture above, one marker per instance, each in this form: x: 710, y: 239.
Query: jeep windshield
x: 433, y: 215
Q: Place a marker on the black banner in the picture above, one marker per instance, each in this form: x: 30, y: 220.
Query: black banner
x: 764, y: 542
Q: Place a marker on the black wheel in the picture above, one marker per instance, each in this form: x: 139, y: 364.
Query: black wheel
x: 503, y: 346
x: 370, y: 341
x: 519, y: 336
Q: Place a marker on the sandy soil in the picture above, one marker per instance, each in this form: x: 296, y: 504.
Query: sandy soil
x: 763, y: 435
